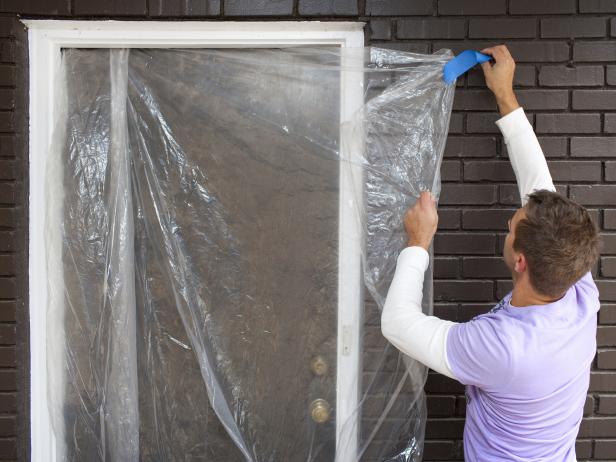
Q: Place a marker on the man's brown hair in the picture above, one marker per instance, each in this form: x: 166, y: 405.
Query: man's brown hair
x: 559, y: 240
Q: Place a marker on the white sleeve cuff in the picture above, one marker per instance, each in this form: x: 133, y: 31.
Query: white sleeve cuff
x: 514, y: 123
x: 414, y: 256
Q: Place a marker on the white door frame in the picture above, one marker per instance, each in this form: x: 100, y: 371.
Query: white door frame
x: 47, y: 38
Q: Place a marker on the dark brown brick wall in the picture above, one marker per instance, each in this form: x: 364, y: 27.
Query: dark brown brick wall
x: 566, y: 79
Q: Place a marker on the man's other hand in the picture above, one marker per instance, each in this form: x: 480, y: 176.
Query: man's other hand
x: 499, y: 77
x: 421, y: 220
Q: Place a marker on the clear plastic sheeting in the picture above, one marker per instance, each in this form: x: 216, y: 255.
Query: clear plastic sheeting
x: 222, y: 229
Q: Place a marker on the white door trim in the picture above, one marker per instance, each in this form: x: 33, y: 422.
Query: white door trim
x: 47, y: 38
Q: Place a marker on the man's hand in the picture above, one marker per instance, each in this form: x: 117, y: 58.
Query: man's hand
x: 499, y: 78
x: 420, y: 221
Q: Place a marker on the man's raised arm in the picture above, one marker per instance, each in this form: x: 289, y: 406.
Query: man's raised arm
x: 527, y: 159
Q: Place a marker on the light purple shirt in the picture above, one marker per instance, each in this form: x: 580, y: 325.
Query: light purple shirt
x: 526, y: 371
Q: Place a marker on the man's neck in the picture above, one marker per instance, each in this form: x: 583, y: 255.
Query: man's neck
x: 524, y: 295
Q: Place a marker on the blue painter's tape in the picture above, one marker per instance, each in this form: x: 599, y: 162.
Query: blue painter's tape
x: 462, y: 63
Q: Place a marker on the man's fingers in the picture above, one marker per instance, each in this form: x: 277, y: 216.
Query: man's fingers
x: 487, y: 67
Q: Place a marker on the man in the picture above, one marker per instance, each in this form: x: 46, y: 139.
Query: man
x: 526, y: 363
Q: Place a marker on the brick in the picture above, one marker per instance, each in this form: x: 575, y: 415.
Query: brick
x: 398, y: 8
x: 543, y: 99
x: 7, y: 75
x: 7, y: 356
x: 444, y: 428
x: 610, y: 123
x: 597, y: 6
x: 565, y: 170
x: 568, y: 123
x: 606, y: 359
x: 484, y: 122
x: 488, y: 170
x: 607, y: 291
x: 441, y: 406
x: 7, y: 265
x: 437, y: 383
x: 441, y: 450
x: 594, y: 51
x: 8, y: 403
x: 430, y: 28
x: 607, y: 404
x: 464, y: 243
x: 609, y: 243
x: 573, y: 27
x: 605, y: 449
x: 453, y: 290
x: 258, y: 8
x: 610, y: 171
x: 542, y: 6
x: 469, y: 146
x: 474, y: 100
x: 608, y: 266
x: 7, y: 194
x: 110, y: 7
x: 7, y: 170
x: 583, y: 449
x: 609, y: 219
x: 8, y: 309
x: 593, y: 195
x: 606, y: 335
x: 37, y: 7
x: 446, y: 267
x: 589, y: 405
x: 380, y: 29
x: 8, y: 288
x: 613, y: 27
x: 471, y: 7
x: 8, y: 448
x: 593, y: 146
x: 448, y: 218
x: 7, y: 335
x: 469, y: 311
x: 607, y: 314
x: 523, y: 51
x: 7, y: 52
x: 553, y: 146
x: 8, y: 380
x: 594, y: 99
x: 448, y: 311
x: 524, y: 76
x: 328, y: 7
x: 7, y: 98
x: 7, y: 145
x: 486, y: 219
x: 450, y: 170
x: 567, y: 76
x: 502, y: 28
x: 460, y: 194
x: 610, y: 75
x: 410, y: 47
x: 601, y: 427
x: 484, y: 267
x: 7, y: 241
x: 456, y: 123
x: 183, y: 7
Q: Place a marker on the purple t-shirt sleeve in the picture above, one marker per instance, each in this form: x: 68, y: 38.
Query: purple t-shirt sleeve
x: 477, y: 353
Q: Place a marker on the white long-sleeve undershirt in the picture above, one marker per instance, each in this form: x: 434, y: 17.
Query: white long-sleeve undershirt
x: 424, y: 337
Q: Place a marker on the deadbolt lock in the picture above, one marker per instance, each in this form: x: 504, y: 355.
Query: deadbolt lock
x: 319, y: 365
x: 320, y: 410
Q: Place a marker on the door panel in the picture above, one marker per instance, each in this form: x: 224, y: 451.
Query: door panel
x: 236, y: 254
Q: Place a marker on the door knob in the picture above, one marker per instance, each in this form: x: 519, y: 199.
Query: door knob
x: 320, y: 410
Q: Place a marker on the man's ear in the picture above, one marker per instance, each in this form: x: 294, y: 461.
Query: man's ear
x: 519, y: 264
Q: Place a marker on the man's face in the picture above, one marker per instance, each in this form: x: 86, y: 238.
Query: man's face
x: 510, y: 255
